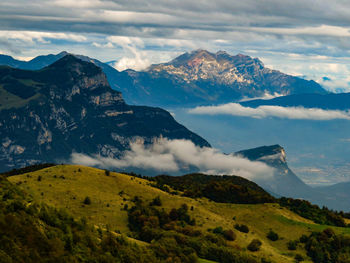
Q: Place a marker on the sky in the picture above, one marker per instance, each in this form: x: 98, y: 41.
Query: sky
x: 303, y: 38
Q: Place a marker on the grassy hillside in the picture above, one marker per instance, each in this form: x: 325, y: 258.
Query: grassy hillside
x: 35, y: 233
x: 68, y: 186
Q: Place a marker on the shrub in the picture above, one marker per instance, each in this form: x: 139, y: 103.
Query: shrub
x: 298, y: 258
x: 218, y: 230
x: 273, y: 236
x: 107, y: 173
x: 87, y: 201
x: 39, y: 178
x: 242, y: 228
x: 303, y: 239
x: 229, y: 235
x: 254, y: 245
x: 156, y: 201
x: 292, y: 245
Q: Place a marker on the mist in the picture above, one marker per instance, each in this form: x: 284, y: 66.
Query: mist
x: 174, y: 156
x: 296, y: 113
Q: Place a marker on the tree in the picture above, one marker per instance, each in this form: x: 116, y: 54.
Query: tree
x: 292, y: 245
x: 254, y: 245
x: 229, y: 235
x: 242, y: 228
x: 273, y: 236
x: 87, y: 201
x: 156, y: 201
x: 298, y: 258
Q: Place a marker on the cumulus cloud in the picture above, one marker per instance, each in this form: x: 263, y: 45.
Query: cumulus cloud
x: 165, y: 155
x: 135, y: 58
x: 298, y: 113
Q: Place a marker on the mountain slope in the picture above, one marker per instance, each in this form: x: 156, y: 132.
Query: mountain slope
x: 65, y: 186
x: 69, y: 106
x: 195, y: 78
x: 34, y: 232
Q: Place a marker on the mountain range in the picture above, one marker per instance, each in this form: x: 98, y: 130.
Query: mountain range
x: 196, y: 78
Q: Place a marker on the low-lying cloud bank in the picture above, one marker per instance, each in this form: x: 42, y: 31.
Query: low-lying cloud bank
x: 170, y: 156
x: 298, y: 113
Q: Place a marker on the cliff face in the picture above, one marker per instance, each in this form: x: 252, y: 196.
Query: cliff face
x: 69, y: 107
x: 284, y: 182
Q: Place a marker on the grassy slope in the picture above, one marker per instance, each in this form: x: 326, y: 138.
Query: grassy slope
x: 9, y: 100
x: 105, y: 190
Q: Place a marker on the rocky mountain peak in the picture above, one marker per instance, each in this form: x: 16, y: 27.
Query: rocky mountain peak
x: 72, y: 63
x: 73, y: 76
x: 202, y: 65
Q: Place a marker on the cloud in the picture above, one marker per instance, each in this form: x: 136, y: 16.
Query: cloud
x: 169, y: 156
x: 298, y: 113
x: 266, y: 96
x: 270, y: 29
x: 31, y: 36
x: 135, y: 58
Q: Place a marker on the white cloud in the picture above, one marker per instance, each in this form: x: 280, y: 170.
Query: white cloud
x: 78, y: 3
x: 42, y: 37
x: 298, y: 113
x: 323, y: 30
x: 267, y: 96
x: 135, y: 58
x: 178, y: 155
x: 137, y: 62
x: 107, y: 45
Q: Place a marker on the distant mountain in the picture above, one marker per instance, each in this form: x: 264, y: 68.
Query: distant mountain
x: 284, y: 182
x: 69, y: 106
x: 338, y: 195
x: 201, y: 77
x: 34, y: 64
x: 339, y: 101
x: 195, y: 78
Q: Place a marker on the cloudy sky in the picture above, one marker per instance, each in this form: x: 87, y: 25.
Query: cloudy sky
x: 305, y: 38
